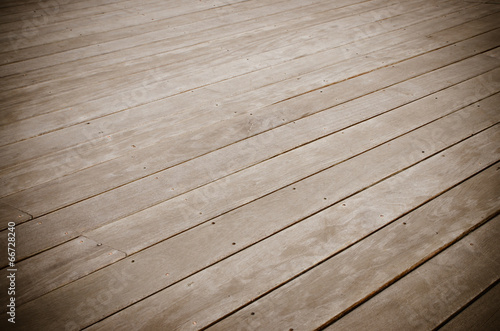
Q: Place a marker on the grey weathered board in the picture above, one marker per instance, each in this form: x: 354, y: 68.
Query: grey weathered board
x: 430, y: 294
x: 68, y: 216
x: 170, y: 85
x: 59, y: 266
x: 467, y: 152
x: 251, y: 164
x: 482, y: 314
x: 61, y: 232
x: 113, y: 145
x: 10, y: 214
x: 47, y: 122
x: 100, y: 235
x: 238, y: 280
x: 57, y: 169
x: 346, y: 279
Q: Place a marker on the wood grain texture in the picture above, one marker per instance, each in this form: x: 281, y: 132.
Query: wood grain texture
x: 188, y: 33
x: 53, y: 53
x: 46, y: 123
x: 482, y: 314
x: 226, y: 284
x: 65, y: 12
x: 199, y: 200
x: 228, y: 227
x: 341, y: 93
x: 265, y: 177
x: 10, y: 214
x: 344, y: 280
x: 59, y: 266
x: 49, y: 33
x: 434, y: 291
x: 250, y: 164
x: 171, y: 69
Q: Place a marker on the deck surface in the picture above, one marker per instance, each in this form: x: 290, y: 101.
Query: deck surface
x: 250, y: 164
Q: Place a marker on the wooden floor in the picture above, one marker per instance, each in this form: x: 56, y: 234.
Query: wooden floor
x: 250, y: 164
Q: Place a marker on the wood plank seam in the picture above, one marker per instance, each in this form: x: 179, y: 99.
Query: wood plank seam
x: 440, y: 326
x: 26, y: 57
x: 274, y: 208
x: 413, y: 268
x: 137, y: 25
x: 33, y: 282
x: 487, y: 165
x: 484, y: 221
x: 435, y: 290
x: 15, y: 40
x: 87, y: 100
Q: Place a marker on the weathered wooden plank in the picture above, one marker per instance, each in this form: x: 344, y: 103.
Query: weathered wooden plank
x: 17, y: 4
x: 343, y: 281
x: 175, y: 215
x: 51, y: 13
x: 11, y: 214
x: 427, y: 296
x: 10, y: 133
x: 260, y: 79
x: 59, y: 266
x: 98, y: 151
x: 164, y: 267
x: 333, y: 128
x: 178, y: 61
x: 21, y: 3
x: 158, y: 51
x: 173, y: 33
x: 66, y: 50
x: 482, y: 314
x: 90, y: 214
x: 327, y: 57
x: 339, y: 93
x: 17, y: 13
x: 224, y: 287
x: 495, y: 53
x: 277, y: 137
x: 58, y: 31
